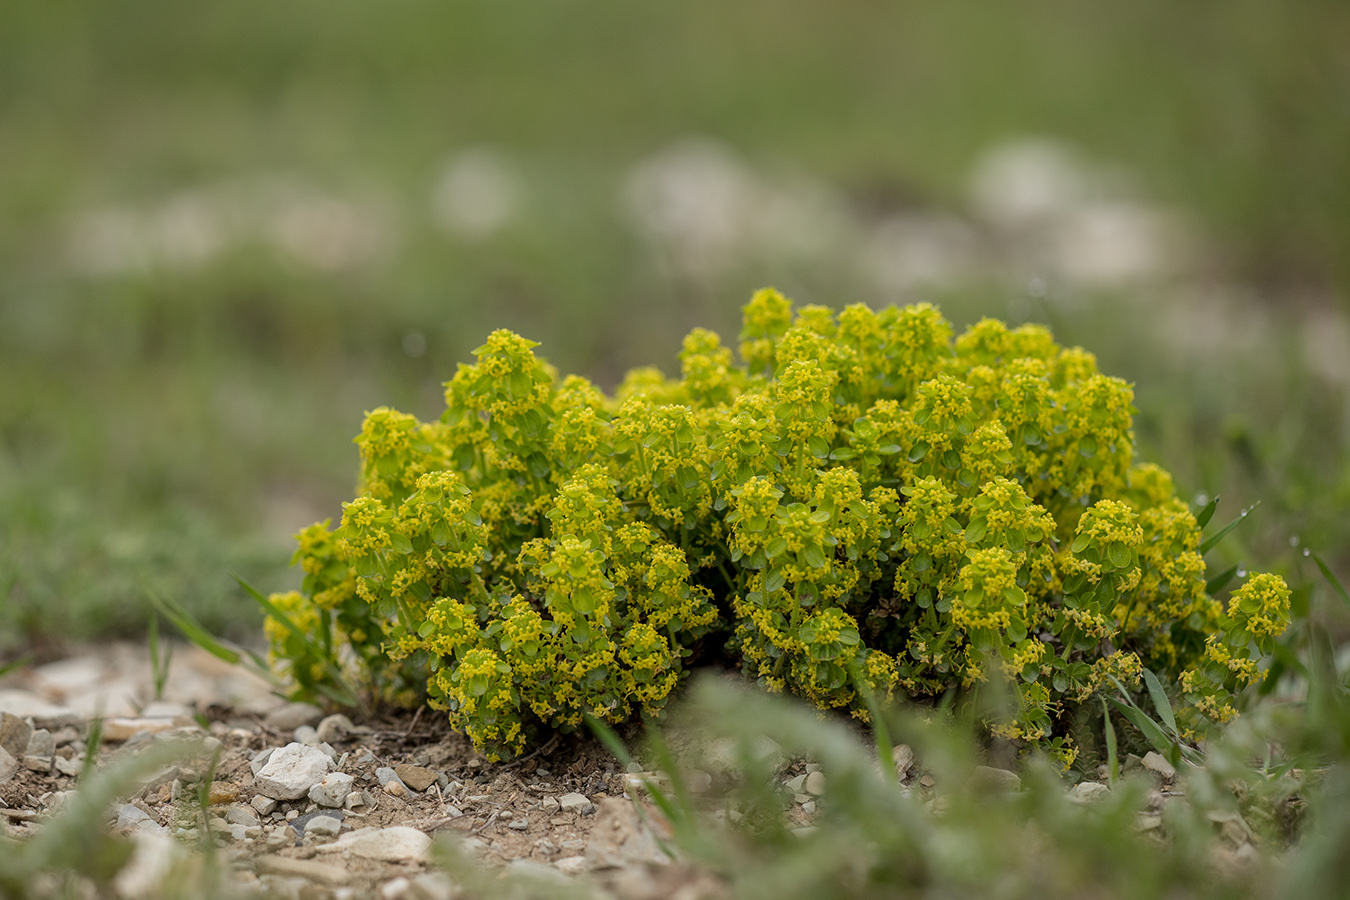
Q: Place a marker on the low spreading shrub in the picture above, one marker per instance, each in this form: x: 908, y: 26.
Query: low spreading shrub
x: 862, y: 506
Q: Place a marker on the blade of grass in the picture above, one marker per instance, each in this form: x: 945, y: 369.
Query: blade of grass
x: 1202, y: 518
x: 15, y: 664
x: 1112, y: 756
x: 881, y: 733
x: 1210, y: 542
x: 185, y: 623
x: 340, y: 691
x: 1160, y: 701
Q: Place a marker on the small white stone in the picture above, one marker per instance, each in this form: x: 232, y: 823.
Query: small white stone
x: 264, y: 805
x: 291, y: 771
x: 292, y: 715
x: 241, y: 815
x: 323, y: 825
x: 571, y: 865
x: 573, y: 802
x: 260, y: 759
x: 796, y: 784
x: 332, y: 791
x: 815, y: 783
x: 1158, y: 765
x: 307, y: 735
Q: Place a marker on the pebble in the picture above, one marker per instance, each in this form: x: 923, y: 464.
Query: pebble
x: 332, y: 791
x: 72, y: 767
x: 292, y: 715
x: 395, y: 844
x: 815, y: 783
x: 796, y: 784
x: 40, y: 764
x: 337, y: 727
x: 260, y: 759
x: 903, y: 756
x: 222, y: 792
x: 387, y: 776
x: 264, y: 804
x: 519, y: 824
x: 323, y: 825
x: 419, y: 778
x: 571, y: 865
x: 1089, y: 792
x: 41, y: 743
x: 241, y: 815
x: 8, y: 765
x: 573, y: 802
x: 306, y: 734
x: 1159, y: 766
x: 291, y: 771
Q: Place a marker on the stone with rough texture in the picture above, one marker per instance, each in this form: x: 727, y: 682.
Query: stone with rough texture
x: 396, y: 844
x: 621, y: 839
x: 41, y: 743
x: 292, y: 715
x: 1158, y: 765
x: 1089, y: 792
x: 323, y: 825
x: 332, y: 791
x: 815, y: 783
x: 336, y: 727
x: 573, y: 802
x: 8, y: 765
x: 264, y: 805
x: 419, y: 778
x: 15, y: 735
x: 291, y: 771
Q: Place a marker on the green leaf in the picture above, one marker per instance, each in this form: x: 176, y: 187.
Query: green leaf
x: 918, y: 451
x: 1202, y: 519
x: 1119, y: 554
x: 192, y: 629
x: 976, y: 530
x: 774, y: 580
x: 775, y: 547
x: 1112, y: 756
x: 815, y: 556
x: 1160, y: 701
x: 1211, y: 541
x: 1080, y: 543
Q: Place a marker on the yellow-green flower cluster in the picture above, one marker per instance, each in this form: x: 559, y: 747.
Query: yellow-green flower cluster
x: 865, y: 503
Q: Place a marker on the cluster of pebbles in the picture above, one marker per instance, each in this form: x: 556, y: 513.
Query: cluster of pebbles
x: 303, y: 804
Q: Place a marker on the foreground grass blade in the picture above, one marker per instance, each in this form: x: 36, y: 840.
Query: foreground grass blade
x: 190, y: 629
x: 341, y: 691
x: 1202, y: 518
x: 1210, y: 542
x: 1112, y: 755
x: 1160, y: 701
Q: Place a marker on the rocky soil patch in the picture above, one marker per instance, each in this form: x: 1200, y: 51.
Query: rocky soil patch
x: 312, y: 805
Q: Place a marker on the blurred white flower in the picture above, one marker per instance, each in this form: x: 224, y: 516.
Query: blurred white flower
x: 477, y: 194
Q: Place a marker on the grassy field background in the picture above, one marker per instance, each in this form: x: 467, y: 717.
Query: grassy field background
x: 227, y: 232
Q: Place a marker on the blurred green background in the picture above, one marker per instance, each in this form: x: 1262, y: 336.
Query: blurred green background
x: 226, y: 231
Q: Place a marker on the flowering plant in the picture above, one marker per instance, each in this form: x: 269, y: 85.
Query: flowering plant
x: 865, y: 506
